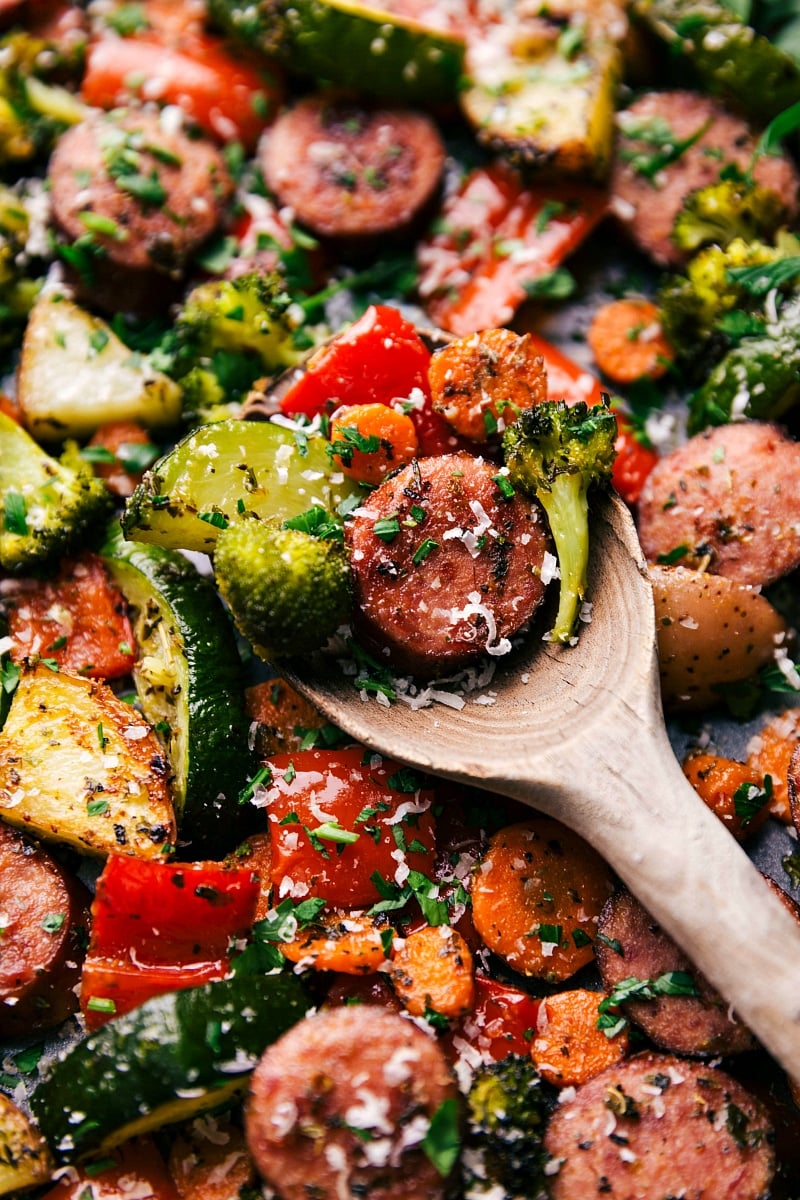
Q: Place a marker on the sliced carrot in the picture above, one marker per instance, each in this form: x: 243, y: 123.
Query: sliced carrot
x: 209, y: 1160
x: 732, y: 790
x: 627, y: 341
x: 769, y: 753
x: 431, y: 971
x: 537, y: 896
x: 285, y: 720
x: 370, y: 440
x: 349, y: 944
x: 568, y: 1048
x: 479, y: 383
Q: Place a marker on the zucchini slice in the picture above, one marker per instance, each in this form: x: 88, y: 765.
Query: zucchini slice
x: 189, y: 681
x: 746, y: 70
x: 544, y: 94
x: 364, y: 46
x: 174, y: 1056
x: 224, y: 471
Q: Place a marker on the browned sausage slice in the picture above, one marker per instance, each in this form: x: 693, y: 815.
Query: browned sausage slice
x: 340, y: 1105
x: 729, y: 499
x: 444, y: 567
x: 631, y: 944
x: 647, y: 197
x: 655, y: 1127
x: 44, y: 911
x: 348, y: 171
x: 145, y: 194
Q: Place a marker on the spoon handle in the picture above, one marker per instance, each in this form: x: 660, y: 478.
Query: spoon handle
x: 633, y: 803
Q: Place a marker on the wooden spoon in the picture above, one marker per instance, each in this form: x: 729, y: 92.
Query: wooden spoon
x: 578, y: 733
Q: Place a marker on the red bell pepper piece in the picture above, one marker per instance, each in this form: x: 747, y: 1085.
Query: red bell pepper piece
x: 502, y: 1021
x: 77, y: 620
x: 380, y: 359
x: 228, y: 97
x: 338, y: 817
x: 634, y: 460
x: 160, y: 927
x: 129, y: 1170
x: 496, y: 235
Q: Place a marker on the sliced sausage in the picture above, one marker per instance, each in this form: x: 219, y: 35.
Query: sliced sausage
x: 631, y: 944
x: 348, y: 171
x: 145, y: 195
x: 648, y: 131
x: 656, y: 1126
x: 454, y: 569
x: 728, y: 501
x: 45, y: 915
x: 340, y: 1105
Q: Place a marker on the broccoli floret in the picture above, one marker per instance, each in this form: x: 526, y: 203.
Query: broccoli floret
x: 47, y: 503
x: 228, y: 333
x: 288, y: 590
x: 507, y: 1110
x: 556, y: 452
x: 18, y: 290
x: 698, y: 309
x: 731, y: 208
x: 33, y: 112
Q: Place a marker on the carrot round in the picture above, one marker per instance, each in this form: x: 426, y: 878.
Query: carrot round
x: 256, y: 852
x: 537, y: 896
x: 732, y: 790
x: 481, y: 382
x: 350, y: 945
x: 370, y: 440
x: 284, y: 719
x: 627, y: 341
x: 431, y: 970
x: 568, y: 1047
x: 769, y: 752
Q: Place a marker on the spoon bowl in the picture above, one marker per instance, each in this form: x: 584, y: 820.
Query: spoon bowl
x: 577, y: 732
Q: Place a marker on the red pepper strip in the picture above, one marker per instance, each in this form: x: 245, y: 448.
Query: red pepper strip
x: 502, y: 1021
x: 568, y: 381
x: 495, y: 236
x: 77, y: 620
x: 380, y: 359
x: 159, y: 927
x: 338, y: 817
x: 227, y: 97
x: 128, y: 1170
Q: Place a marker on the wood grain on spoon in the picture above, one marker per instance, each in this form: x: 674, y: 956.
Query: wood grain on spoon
x: 578, y: 733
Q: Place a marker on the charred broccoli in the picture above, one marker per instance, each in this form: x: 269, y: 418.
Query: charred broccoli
x: 702, y: 310
x: 556, y: 452
x: 728, y: 209
x: 18, y: 289
x: 33, y: 110
x: 288, y: 590
x: 759, y: 378
x: 507, y: 1110
x: 227, y: 334
x: 47, y: 503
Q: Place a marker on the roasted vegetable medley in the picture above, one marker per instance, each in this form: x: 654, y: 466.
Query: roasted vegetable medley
x: 321, y: 324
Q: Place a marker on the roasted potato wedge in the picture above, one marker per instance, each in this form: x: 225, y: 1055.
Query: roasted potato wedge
x: 77, y: 765
x: 711, y: 631
x: 24, y: 1158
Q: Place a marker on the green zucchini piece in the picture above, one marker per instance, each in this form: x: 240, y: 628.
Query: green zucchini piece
x: 189, y: 681
x: 226, y: 470
x: 174, y: 1056
x: 362, y: 46
x: 744, y: 69
x: 546, y: 99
